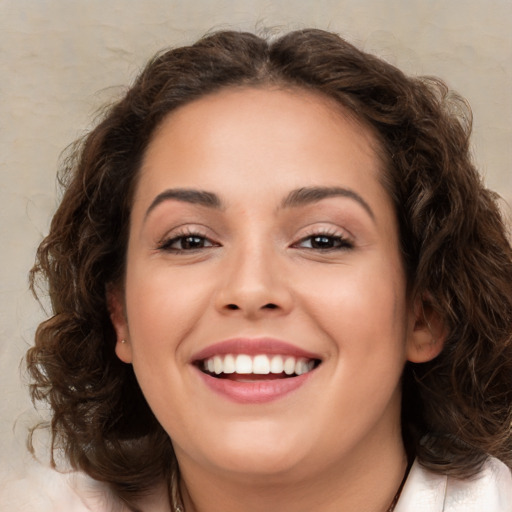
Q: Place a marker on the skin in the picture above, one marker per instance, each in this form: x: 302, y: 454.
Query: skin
x: 326, y: 445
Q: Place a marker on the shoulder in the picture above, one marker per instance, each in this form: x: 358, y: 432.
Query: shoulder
x: 93, y: 494
x: 490, y: 490
x: 38, y: 488
x: 426, y: 491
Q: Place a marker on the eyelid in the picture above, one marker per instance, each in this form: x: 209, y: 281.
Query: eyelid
x: 194, y: 230
x: 166, y: 244
x: 328, y: 229
x: 347, y: 240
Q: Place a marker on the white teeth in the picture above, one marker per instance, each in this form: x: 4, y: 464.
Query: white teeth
x: 229, y: 364
x: 276, y: 364
x: 243, y: 364
x: 217, y: 364
x: 301, y: 366
x: 260, y: 364
x: 289, y: 366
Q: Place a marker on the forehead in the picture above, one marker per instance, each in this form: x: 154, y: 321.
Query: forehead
x: 258, y: 101
x: 262, y: 126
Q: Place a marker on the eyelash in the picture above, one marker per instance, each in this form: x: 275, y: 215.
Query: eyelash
x: 166, y: 244
x: 340, y: 242
x: 337, y: 241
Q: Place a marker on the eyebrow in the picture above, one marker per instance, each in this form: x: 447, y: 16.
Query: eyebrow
x: 308, y: 195
x: 186, y: 195
x: 296, y: 198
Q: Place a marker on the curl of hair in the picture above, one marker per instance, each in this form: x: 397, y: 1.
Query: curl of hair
x: 457, y: 409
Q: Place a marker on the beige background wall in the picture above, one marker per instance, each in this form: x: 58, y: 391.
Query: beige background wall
x: 60, y: 58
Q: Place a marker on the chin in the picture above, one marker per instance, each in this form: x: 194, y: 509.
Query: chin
x: 252, y: 451
x: 268, y: 466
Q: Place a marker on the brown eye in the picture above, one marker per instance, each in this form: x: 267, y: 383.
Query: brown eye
x: 192, y: 242
x: 324, y: 242
x: 183, y: 243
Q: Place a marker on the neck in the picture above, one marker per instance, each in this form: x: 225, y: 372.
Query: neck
x: 354, y: 484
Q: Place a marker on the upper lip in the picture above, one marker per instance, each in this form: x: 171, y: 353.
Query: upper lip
x: 253, y: 346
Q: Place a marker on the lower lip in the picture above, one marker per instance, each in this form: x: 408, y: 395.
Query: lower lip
x: 257, y: 392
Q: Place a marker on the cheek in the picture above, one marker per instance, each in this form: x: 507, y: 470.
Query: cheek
x: 162, y: 308
x: 361, y: 307
x: 163, y: 304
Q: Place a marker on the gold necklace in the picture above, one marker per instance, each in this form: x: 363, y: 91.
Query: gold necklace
x: 176, y: 502
x: 399, y: 491
x: 393, y: 503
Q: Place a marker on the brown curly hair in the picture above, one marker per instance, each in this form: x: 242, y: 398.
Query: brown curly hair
x: 457, y: 409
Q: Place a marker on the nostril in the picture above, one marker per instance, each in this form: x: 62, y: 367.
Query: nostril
x: 270, y: 305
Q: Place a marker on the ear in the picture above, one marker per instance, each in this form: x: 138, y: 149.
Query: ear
x: 427, y: 332
x: 115, y: 304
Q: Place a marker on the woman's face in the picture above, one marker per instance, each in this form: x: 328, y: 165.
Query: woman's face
x: 264, y: 248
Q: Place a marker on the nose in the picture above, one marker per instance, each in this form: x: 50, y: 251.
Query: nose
x: 254, y: 284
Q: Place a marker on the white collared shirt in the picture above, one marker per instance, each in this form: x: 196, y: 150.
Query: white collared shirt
x: 426, y: 491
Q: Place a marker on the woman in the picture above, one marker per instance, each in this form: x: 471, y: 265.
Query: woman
x: 278, y: 283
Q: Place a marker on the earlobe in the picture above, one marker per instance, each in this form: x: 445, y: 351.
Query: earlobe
x: 117, y: 313
x: 427, y: 332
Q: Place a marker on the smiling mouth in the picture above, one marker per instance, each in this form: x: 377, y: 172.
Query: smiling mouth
x: 252, y: 368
